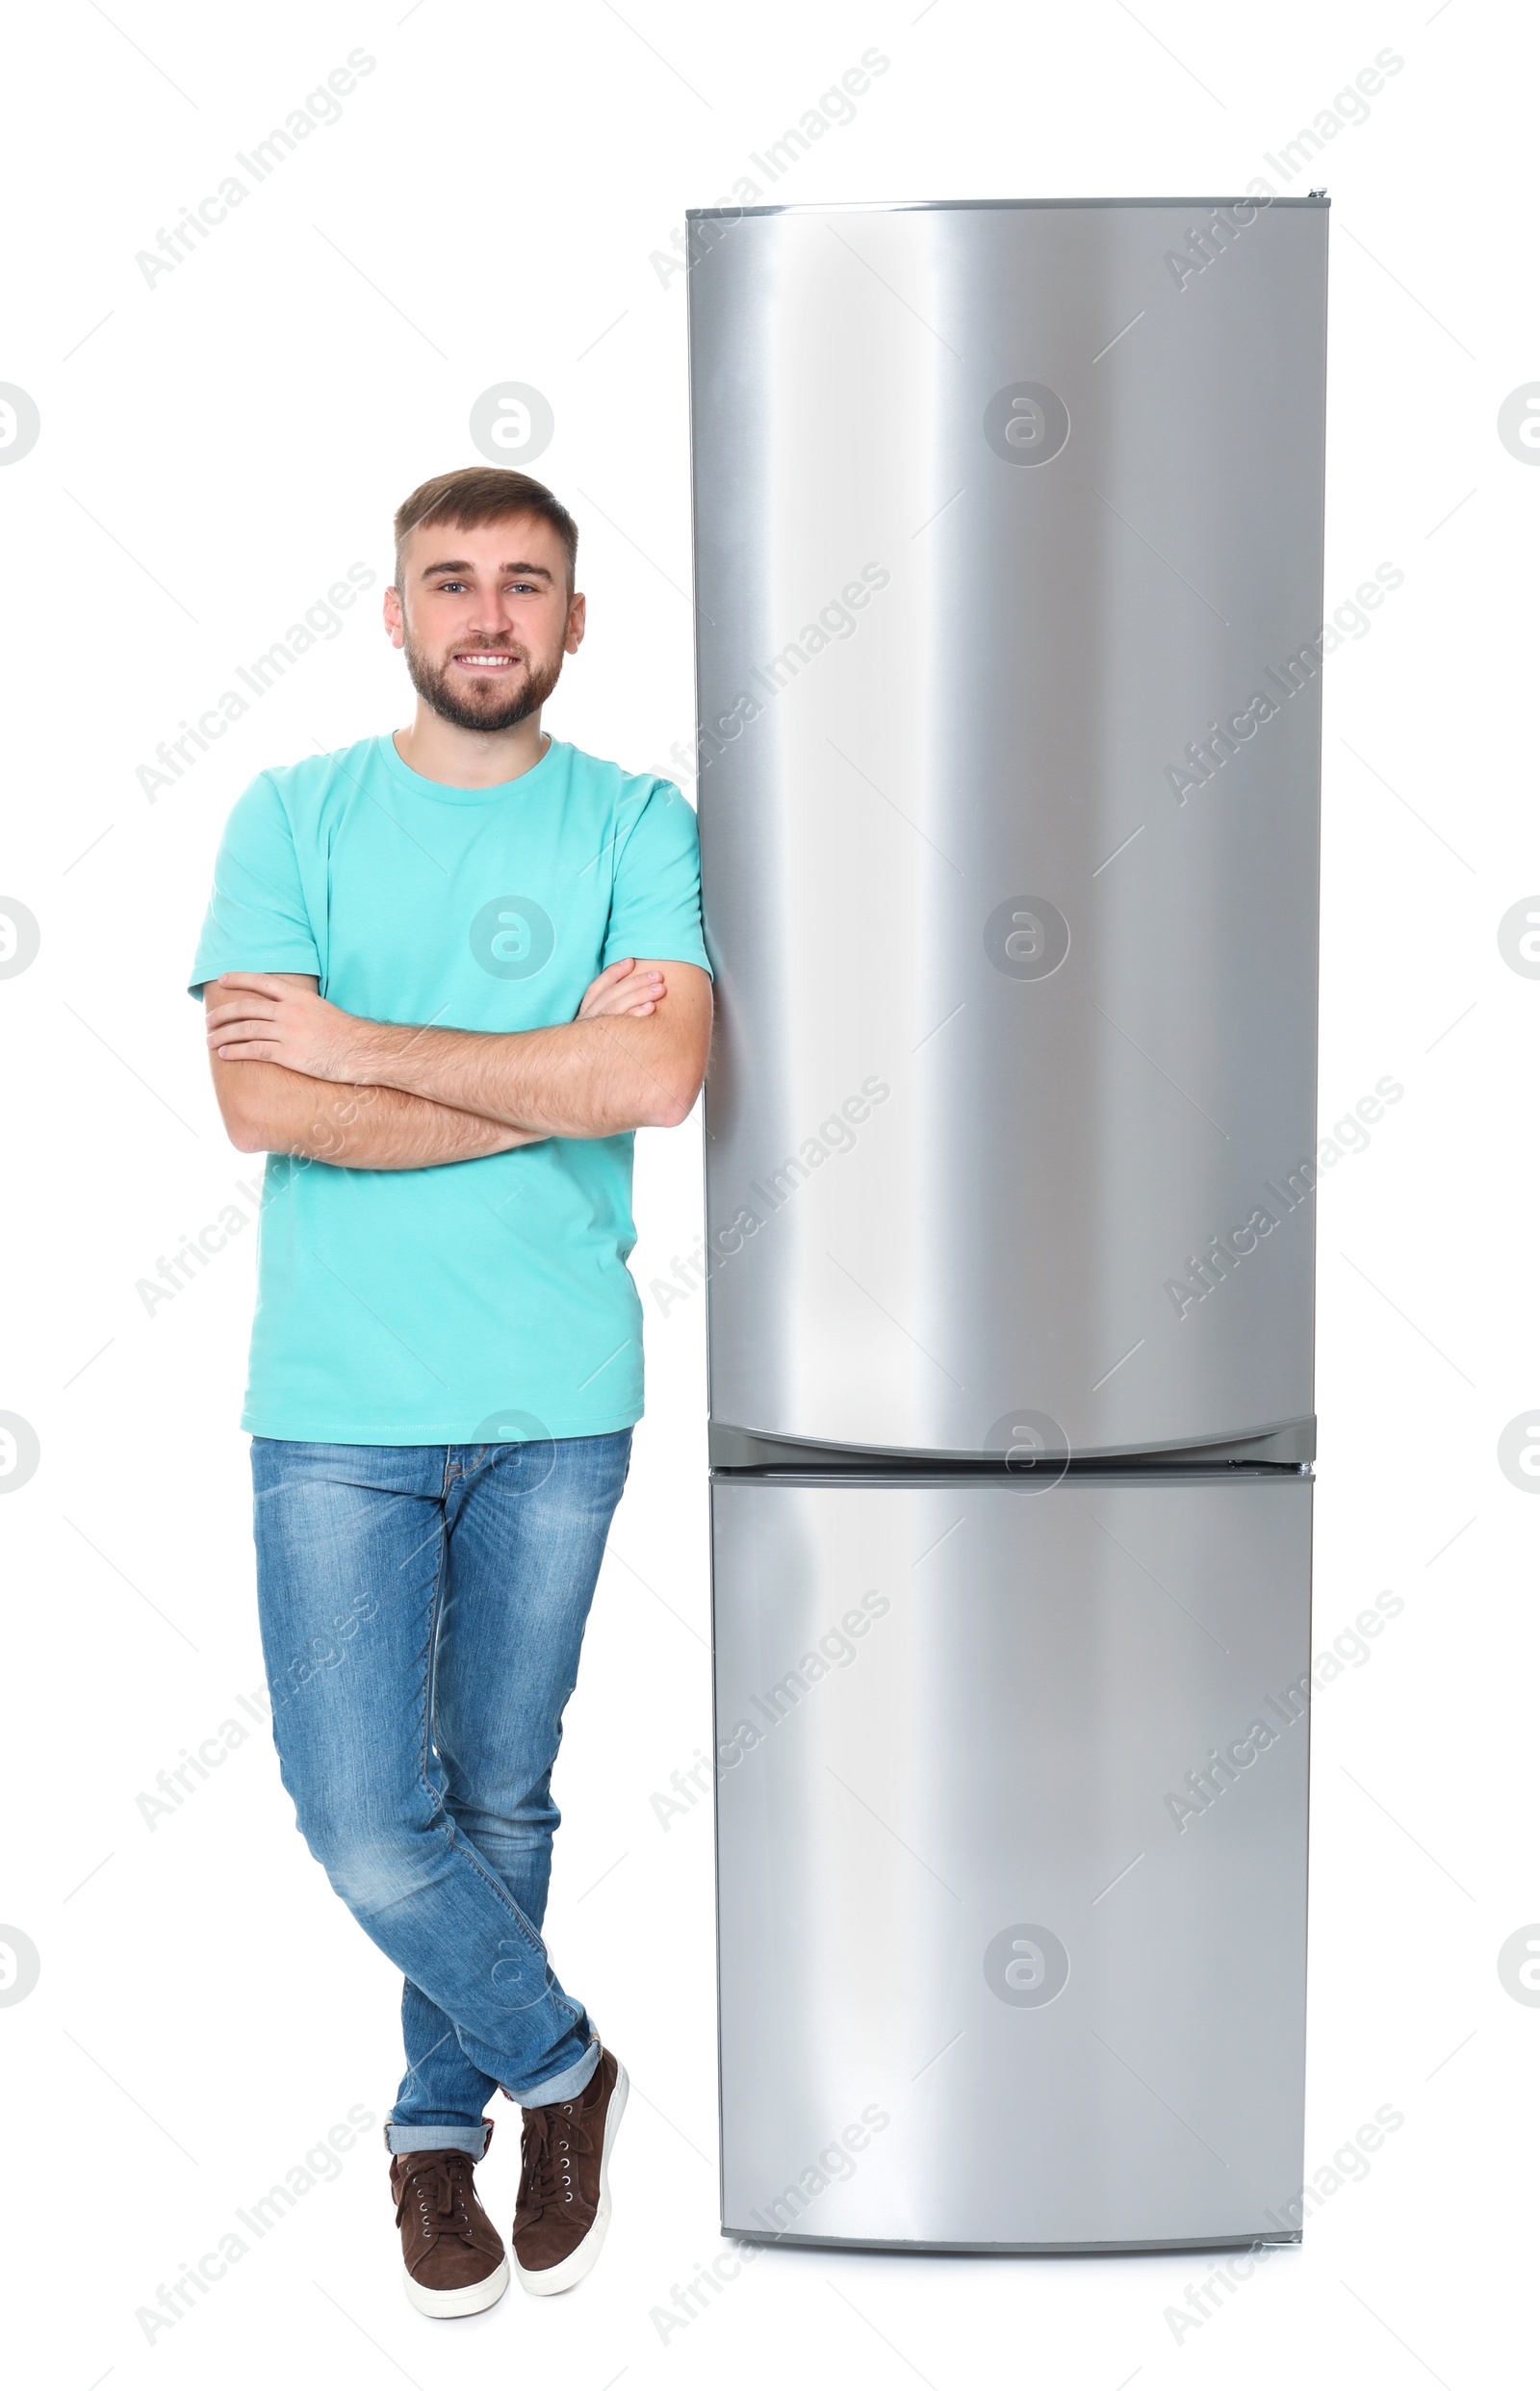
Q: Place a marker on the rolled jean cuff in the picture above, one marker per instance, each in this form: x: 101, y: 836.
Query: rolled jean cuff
x: 470, y: 2139
x: 563, y: 2087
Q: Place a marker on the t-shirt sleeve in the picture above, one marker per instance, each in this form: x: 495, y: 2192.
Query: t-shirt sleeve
x: 654, y: 909
x: 257, y: 918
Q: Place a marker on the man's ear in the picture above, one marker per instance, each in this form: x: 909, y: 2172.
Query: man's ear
x: 394, y: 619
x: 577, y: 622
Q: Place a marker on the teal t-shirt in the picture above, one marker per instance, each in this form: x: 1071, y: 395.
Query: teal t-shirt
x: 474, y: 1302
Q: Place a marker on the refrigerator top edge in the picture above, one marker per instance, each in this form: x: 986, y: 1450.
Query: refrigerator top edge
x: 897, y: 207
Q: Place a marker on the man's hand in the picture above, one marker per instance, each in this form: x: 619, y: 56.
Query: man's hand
x: 269, y: 1109
x: 268, y: 1017
x: 625, y: 988
x: 265, y: 1018
x: 633, y: 1058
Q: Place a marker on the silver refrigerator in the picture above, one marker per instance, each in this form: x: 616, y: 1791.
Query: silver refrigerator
x: 1008, y: 557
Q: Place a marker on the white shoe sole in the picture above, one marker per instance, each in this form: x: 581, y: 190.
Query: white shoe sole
x: 542, y: 2282
x: 468, y: 2300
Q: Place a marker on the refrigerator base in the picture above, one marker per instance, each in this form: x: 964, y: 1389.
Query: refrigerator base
x: 1011, y: 1840
x: 1014, y: 2250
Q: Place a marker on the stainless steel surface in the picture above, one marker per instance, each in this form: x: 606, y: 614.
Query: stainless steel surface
x: 962, y: 1178
x: 1002, y: 1759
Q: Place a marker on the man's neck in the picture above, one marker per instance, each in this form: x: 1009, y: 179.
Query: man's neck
x: 441, y: 750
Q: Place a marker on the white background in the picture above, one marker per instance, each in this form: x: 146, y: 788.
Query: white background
x: 216, y: 449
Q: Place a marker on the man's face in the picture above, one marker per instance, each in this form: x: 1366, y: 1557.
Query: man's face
x: 484, y: 618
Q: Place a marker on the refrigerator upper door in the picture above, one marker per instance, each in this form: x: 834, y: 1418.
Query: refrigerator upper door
x: 1008, y: 526
x: 1011, y: 1808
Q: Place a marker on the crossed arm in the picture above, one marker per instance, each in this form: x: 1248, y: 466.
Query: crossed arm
x: 297, y: 1075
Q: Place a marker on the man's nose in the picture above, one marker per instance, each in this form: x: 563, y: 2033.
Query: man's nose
x: 492, y: 613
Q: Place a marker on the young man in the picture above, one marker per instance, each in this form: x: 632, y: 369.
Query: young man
x: 446, y: 974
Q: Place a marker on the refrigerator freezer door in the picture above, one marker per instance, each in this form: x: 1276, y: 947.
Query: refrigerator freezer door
x: 1012, y: 1860
x: 1008, y: 527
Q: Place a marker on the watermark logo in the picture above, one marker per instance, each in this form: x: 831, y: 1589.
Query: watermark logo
x: 513, y: 937
x: 1204, y: 760
x: 1349, y: 2163
x: 1033, y: 1446
x: 835, y: 1651
x: 1206, y: 243
x: 1349, y: 107
x: 1026, y: 422
x: 20, y: 423
x: 513, y: 423
x: 19, y: 937
x: 322, y: 621
x: 1518, y: 937
x: 20, y: 1965
x: 834, y: 2164
x: 1208, y: 1268
x: 771, y: 1191
x: 319, y: 109
x: 1518, y: 1451
x: 1026, y: 1967
x: 1519, y: 423
x: 1027, y: 937
x: 1352, y: 1648
x: 180, y: 2299
x: 698, y: 237
x: 195, y: 1253
x: 19, y: 1451
x: 322, y: 107
x: 176, y: 1785
x: 1518, y: 1965
x: 836, y: 621
x: 530, y: 1454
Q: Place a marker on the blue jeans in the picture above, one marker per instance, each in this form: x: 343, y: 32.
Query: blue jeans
x: 423, y: 1611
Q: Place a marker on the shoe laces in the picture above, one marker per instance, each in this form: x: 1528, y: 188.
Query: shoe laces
x: 554, y: 2139
x: 437, y: 2185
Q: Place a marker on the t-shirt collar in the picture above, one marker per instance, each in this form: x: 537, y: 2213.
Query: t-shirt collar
x: 447, y: 793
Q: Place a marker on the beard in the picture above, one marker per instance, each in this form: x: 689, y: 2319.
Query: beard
x: 476, y: 706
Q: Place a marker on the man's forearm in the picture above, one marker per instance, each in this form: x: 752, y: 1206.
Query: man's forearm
x: 273, y: 1109
x: 632, y: 1058
x: 581, y: 1079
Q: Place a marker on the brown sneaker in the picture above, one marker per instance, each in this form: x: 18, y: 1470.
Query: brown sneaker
x: 452, y: 2250
x: 563, y: 2212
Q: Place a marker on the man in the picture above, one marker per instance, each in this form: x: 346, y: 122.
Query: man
x: 446, y: 974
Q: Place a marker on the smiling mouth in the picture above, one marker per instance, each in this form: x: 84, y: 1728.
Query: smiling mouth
x: 485, y: 660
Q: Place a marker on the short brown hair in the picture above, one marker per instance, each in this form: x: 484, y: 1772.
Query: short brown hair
x: 477, y: 494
